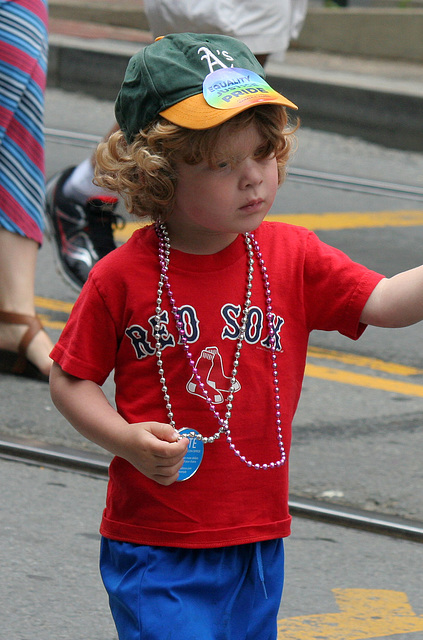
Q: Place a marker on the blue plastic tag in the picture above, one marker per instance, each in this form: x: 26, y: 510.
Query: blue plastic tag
x: 193, y: 456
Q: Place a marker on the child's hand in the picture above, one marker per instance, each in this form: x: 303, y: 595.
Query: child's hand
x: 151, y: 447
x: 154, y: 449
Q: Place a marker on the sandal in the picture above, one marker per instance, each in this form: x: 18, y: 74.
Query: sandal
x: 17, y: 363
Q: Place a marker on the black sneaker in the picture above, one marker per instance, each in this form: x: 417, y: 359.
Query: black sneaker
x: 81, y: 234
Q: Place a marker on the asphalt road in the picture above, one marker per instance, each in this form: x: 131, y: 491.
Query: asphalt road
x: 340, y: 584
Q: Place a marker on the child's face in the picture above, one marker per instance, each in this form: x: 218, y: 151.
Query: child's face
x: 214, y: 204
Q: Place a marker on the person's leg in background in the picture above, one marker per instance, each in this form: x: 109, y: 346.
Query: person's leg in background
x: 18, y: 257
x: 24, y: 346
x: 80, y: 218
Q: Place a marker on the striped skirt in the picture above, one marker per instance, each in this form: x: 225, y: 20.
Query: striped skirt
x: 23, y: 67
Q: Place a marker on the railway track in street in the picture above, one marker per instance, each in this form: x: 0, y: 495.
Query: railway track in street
x: 72, y: 460
x: 317, y: 178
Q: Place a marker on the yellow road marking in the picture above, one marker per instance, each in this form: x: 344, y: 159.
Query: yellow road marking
x: 363, y: 380
x: 324, y: 221
x: 123, y: 234
x: 364, y: 614
x: 51, y: 324
x: 363, y: 361
x: 53, y: 305
x: 353, y: 220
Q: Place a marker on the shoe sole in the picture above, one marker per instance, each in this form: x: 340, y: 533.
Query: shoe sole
x: 51, y: 235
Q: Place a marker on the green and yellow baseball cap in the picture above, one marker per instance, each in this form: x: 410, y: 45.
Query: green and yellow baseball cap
x: 197, y: 81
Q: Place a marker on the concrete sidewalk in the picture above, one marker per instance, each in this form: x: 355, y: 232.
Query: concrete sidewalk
x: 372, y: 95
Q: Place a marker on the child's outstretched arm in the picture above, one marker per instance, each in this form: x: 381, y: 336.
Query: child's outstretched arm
x: 151, y: 447
x: 396, y: 301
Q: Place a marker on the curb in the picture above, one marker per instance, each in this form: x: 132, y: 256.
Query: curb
x: 381, y: 116
x: 389, y: 33
x: 92, y: 67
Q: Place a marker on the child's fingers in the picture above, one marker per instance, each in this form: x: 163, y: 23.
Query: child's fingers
x: 169, y: 445
x: 157, y: 451
x: 167, y: 475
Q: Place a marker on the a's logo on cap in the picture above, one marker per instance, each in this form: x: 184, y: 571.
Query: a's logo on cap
x: 212, y: 59
x: 232, y: 88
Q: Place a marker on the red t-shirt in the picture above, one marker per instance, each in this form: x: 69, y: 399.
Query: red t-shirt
x: 313, y: 286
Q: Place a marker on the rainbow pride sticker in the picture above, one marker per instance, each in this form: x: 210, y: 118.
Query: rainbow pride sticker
x: 232, y: 88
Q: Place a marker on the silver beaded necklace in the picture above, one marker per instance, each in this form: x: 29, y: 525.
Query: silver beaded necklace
x: 253, y: 250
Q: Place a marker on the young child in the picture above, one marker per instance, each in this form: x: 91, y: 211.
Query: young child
x: 204, y: 316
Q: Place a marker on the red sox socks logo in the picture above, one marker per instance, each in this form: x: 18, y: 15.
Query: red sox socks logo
x: 210, y: 369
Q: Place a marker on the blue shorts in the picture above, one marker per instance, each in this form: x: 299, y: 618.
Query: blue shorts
x: 165, y: 593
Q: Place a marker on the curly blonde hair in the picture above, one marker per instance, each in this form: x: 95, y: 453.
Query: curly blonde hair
x: 144, y: 171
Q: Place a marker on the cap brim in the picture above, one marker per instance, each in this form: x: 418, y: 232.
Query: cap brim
x: 195, y: 113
